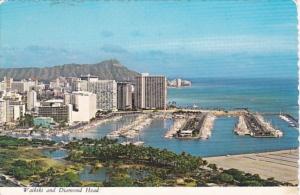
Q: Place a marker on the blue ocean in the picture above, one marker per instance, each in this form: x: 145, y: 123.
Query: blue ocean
x: 262, y: 95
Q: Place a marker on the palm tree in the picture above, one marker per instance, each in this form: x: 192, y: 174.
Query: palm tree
x: 213, y: 167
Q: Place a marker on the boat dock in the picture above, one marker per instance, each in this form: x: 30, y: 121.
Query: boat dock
x: 241, y: 127
x: 132, y: 130
x: 289, y: 119
x: 205, y: 131
x: 255, y: 125
x: 198, y: 126
x: 178, y: 123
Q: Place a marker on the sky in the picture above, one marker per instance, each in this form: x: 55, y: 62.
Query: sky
x: 186, y: 38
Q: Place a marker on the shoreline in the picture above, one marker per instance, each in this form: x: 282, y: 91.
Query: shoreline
x: 252, y: 153
x: 282, y: 165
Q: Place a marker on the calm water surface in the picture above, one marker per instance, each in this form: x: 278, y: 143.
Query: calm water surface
x: 88, y: 174
x: 264, y: 95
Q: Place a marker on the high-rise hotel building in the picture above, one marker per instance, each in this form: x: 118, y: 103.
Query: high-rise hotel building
x: 31, y: 100
x: 150, y: 92
x: 124, y: 96
x: 106, y: 91
x: 83, y: 106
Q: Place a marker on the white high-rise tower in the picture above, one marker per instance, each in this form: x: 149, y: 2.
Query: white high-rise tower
x: 31, y: 100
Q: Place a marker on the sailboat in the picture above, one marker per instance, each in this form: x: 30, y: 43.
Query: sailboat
x: 138, y: 143
x: 126, y: 142
x: 195, y: 106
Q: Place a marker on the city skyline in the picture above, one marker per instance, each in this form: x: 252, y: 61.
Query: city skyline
x: 178, y: 93
x: 78, y: 99
x: 197, y: 37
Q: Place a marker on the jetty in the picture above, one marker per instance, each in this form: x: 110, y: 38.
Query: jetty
x: 178, y: 123
x: 205, y: 131
x: 198, y: 126
x: 255, y: 126
x: 241, y: 127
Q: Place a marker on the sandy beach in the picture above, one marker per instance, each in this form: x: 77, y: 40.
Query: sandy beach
x: 282, y: 165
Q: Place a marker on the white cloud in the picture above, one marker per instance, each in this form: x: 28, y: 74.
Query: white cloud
x: 227, y: 44
x: 2, y: 1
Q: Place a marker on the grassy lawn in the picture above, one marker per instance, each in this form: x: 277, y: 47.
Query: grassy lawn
x: 9, y: 155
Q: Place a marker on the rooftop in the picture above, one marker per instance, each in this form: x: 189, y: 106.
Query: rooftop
x: 55, y: 101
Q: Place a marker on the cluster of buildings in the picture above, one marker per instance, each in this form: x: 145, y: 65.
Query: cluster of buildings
x: 78, y: 99
x: 179, y: 83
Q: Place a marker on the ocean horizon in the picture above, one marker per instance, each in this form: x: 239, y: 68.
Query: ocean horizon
x: 256, y: 94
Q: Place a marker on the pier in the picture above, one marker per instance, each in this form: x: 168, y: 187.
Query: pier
x: 205, y: 131
x: 198, y: 126
x: 192, y: 127
x: 132, y: 130
x: 241, y: 127
x: 255, y: 125
x: 178, y: 123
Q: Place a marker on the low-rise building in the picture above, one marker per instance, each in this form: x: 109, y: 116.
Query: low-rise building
x: 45, y: 122
x: 55, y: 109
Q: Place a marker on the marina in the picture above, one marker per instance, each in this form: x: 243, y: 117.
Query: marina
x: 132, y: 130
x: 223, y: 139
x: 93, y: 124
x: 255, y: 125
x: 186, y: 124
x: 183, y: 94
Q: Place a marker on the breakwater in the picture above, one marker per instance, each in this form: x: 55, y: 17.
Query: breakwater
x: 205, y: 131
x: 191, y: 125
x: 256, y: 126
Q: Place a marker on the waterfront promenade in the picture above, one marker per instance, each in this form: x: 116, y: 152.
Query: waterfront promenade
x: 282, y: 165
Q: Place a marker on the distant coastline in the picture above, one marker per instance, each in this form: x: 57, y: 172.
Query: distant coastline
x: 179, y: 83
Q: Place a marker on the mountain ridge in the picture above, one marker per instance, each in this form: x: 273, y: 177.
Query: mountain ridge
x: 108, y: 69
